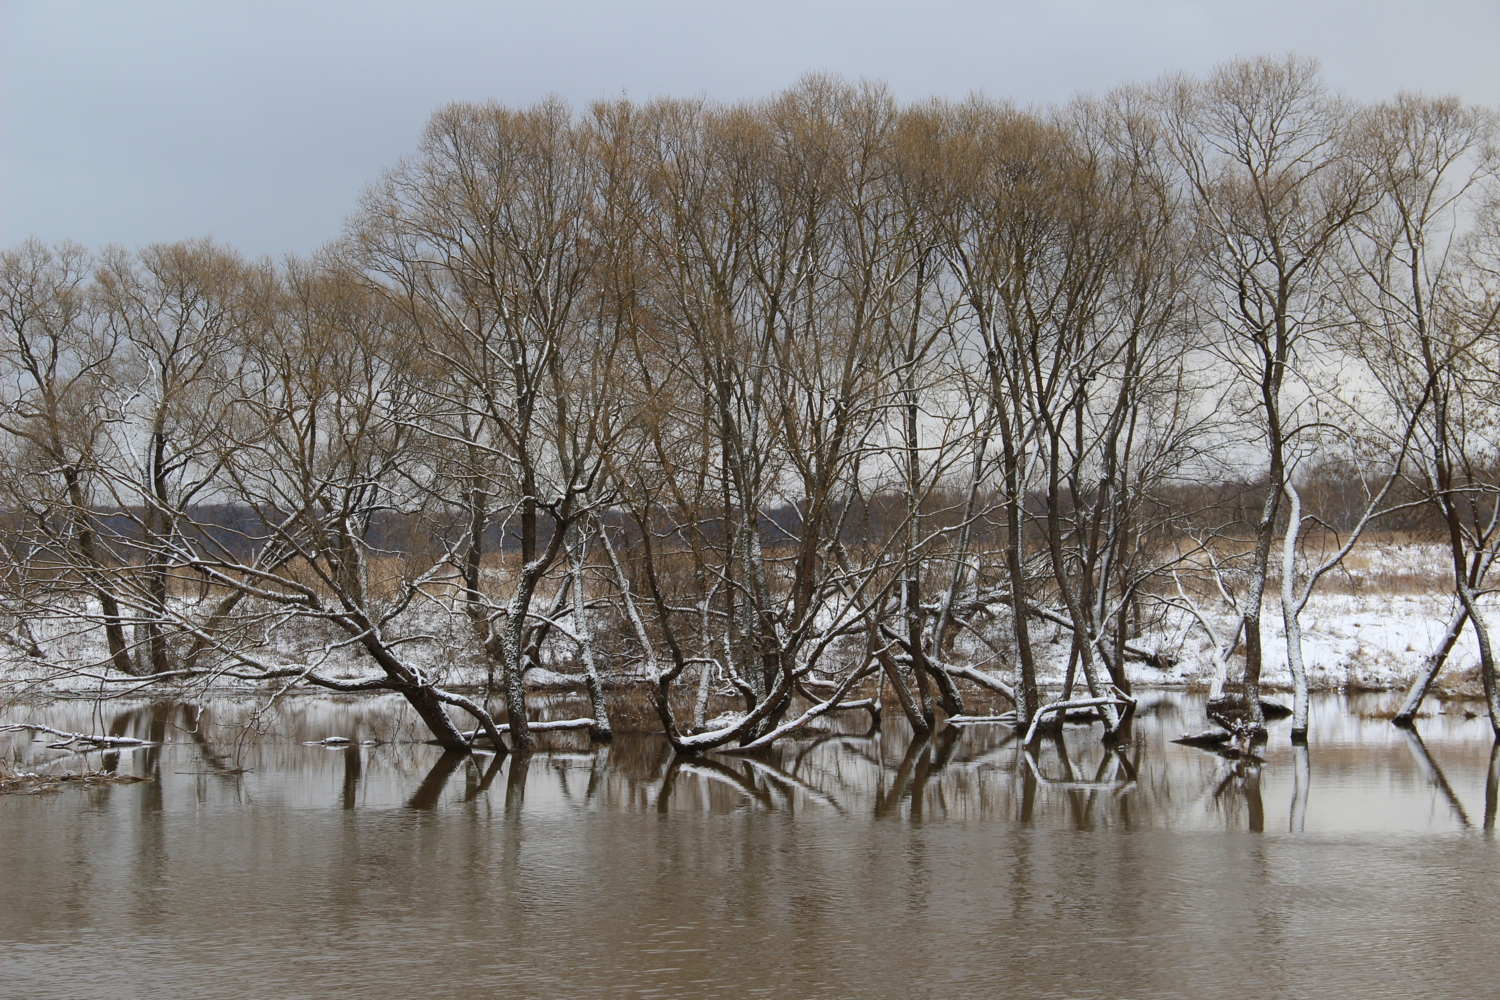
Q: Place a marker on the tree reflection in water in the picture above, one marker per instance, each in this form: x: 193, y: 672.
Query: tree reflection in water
x: 1434, y: 774
x: 1066, y: 780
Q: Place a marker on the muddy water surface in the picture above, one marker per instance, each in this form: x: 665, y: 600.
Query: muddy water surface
x: 844, y: 865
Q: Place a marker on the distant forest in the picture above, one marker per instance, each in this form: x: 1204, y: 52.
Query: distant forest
x: 779, y: 400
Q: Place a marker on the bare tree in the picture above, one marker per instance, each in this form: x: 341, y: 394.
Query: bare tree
x: 787, y: 327
x: 766, y: 402
x: 174, y: 310
x: 1427, y: 333
x: 1260, y: 148
x: 489, y: 241
x: 59, y: 372
x: 316, y: 451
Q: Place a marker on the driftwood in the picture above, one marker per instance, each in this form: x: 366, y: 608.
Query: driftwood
x: 1069, y: 711
x: 1063, y: 707
x: 1004, y: 719
x: 555, y: 724
x: 1235, y: 736
x: 1233, y: 746
x: 1232, y: 711
x: 1210, y: 739
x: 71, y: 738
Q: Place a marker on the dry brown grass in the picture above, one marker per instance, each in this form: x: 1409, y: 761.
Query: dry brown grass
x: 1385, y: 563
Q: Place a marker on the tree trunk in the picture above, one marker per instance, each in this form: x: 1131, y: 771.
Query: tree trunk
x: 1291, y: 617
x: 1027, y: 698
x: 600, y: 731
x: 1254, y: 598
x: 1428, y: 671
x: 436, y: 717
x: 114, y: 629
x: 1486, y: 655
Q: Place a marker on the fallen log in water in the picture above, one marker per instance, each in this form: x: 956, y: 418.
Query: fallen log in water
x: 479, y: 735
x: 1004, y: 719
x: 1063, y: 708
x: 70, y: 738
x: 1232, y: 711
x: 1211, y: 739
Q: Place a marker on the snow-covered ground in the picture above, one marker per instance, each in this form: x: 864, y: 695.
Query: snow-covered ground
x: 1368, y: 628
x: 1349, y: 641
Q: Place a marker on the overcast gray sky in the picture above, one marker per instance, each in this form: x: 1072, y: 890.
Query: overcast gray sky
x: 258, y: 121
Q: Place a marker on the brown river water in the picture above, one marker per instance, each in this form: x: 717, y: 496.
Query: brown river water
x: 841, y: 865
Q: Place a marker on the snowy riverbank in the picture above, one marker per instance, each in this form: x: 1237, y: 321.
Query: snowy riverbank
x: 1368, y: 629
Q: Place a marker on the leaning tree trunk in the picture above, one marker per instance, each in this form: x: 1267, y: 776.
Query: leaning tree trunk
x: 1486, y: 655
x: 1429, y: 669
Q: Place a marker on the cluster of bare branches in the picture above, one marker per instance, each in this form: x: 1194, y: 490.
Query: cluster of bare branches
x: 793, y: 402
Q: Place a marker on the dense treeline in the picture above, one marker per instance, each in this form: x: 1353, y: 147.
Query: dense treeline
x: 791, y: 399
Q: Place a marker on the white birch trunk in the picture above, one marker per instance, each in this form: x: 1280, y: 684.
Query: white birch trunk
x: 1291, y: 614
x: 585, y: 635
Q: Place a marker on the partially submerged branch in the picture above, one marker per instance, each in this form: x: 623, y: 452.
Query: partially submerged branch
x: 70, y: 738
